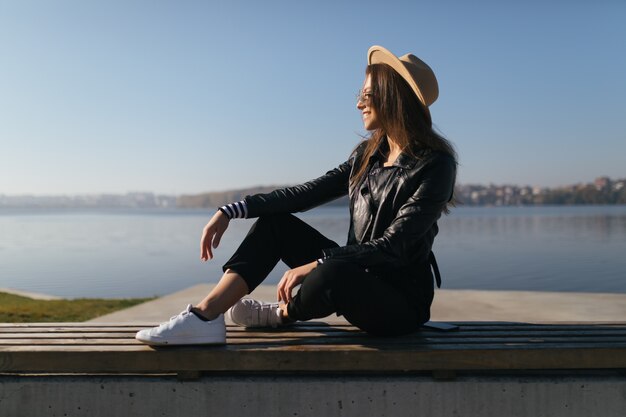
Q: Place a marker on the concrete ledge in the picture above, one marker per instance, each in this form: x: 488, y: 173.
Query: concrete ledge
x: 449, y: 305
x: 33, y: 295
x: 303, y: 396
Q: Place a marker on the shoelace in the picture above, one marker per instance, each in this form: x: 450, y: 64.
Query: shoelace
x: 174, y: 317
x: 266, y: 314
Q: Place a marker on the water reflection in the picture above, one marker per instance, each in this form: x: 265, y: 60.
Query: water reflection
x: 597, y: 227
x: 137, y: 253
x: 535, y: 249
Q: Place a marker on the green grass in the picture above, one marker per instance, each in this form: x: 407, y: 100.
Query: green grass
x: 18, y: 309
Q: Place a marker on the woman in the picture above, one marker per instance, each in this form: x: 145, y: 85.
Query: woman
x: 399, y: 181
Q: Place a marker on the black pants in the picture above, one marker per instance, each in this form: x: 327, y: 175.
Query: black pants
x: 375, y: 305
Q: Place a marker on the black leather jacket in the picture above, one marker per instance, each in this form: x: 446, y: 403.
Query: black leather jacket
x: 393, y: 221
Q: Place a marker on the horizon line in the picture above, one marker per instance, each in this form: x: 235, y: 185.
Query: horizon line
x: 277, y: 186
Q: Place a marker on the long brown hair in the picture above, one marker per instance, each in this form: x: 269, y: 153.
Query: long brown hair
x: 402, y: 116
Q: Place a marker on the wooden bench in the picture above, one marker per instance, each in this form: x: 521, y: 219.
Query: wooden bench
x: 315, y: 369
x: 68, y: 348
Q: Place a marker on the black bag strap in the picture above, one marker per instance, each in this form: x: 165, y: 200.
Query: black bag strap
x: 433, y: 263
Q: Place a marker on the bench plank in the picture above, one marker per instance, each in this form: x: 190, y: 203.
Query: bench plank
x: 117, y: 338
x: 519, y: 343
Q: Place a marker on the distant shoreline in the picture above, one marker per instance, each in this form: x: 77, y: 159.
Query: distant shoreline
x: 603, y: 191
x: 208, y: 209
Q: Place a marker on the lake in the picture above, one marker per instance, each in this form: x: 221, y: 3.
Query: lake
x: 137, y: 253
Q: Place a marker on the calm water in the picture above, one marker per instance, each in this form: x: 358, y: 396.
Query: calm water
x: 119, y: 253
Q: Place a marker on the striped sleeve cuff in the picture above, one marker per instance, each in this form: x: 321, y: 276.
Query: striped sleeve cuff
x: 238, y: 210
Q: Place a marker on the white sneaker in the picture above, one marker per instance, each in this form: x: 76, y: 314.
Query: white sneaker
x: 185, y: 329
x: 253, y: 313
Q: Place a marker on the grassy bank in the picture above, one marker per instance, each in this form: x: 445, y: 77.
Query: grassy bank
x: 18, y: 309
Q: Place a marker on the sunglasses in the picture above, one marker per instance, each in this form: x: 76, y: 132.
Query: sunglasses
x: 363, y: 97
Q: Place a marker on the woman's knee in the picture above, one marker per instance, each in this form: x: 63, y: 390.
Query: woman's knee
x: 276, y: 219
x: 271, y: 225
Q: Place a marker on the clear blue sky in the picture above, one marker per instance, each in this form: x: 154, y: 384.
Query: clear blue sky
x: 189, y: 96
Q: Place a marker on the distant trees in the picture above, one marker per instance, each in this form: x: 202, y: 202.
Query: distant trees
x: 602, y: 191
x: 219, y: 198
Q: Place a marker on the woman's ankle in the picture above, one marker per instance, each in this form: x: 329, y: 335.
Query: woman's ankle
x: 204, y: 314
x: 284, y: 315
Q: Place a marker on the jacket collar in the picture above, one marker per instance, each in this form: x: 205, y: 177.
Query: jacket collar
x: 404, y: 160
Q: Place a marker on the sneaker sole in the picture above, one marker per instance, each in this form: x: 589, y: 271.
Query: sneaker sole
x: 185, y: 341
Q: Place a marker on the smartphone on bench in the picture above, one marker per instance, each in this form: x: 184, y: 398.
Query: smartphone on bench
x: 440, y: 325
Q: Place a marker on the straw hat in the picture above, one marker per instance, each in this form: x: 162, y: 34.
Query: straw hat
x: 416, y: 72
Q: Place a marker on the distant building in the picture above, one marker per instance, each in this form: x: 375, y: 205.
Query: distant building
x: 602, y: 183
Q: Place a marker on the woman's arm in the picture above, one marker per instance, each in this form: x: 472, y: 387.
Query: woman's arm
x: 292, y: 199
x: 329, y: 186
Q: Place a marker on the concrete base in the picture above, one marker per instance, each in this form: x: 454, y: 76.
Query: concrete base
x: 303, y: 396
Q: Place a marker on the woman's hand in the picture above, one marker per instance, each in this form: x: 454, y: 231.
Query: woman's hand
x: 212, y: 234
x: 292, y: 279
